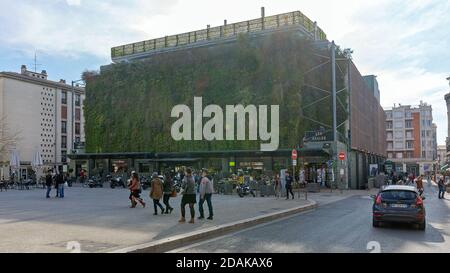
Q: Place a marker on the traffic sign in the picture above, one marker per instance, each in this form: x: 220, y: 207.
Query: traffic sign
x: 341, y: 156
x: 294, y: 154
x: 294, y: 162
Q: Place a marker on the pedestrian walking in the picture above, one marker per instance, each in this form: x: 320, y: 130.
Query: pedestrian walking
x: 169, y: 190
x: 288, y: 185
x: 48, y: 183
x: 206, y: 191
x: 59, y: 181
x: 277, y: 182
x: 135, y: 190
x: 156, y: 193
x: 189, y: 196
x: 419, y: 185
x: 441, y: 185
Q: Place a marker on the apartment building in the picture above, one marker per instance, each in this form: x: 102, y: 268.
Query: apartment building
x: 411, y: 138
x: 47, y: 116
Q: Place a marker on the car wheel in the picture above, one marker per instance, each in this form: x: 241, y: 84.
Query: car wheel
x: 423, y: 225
x: 375, y: 223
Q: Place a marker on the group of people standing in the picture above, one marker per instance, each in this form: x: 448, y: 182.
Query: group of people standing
x: 57, y: 181
x: 164, y: 189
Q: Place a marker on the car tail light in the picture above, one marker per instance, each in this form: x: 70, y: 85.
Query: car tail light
x: 378, y: 201
x: 419, y: 202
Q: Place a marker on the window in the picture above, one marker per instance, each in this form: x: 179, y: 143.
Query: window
x: 77, y: 100
x: 389, y: 115
x: 77, y: 140
x: 77, y: 128
x: 409, y: 155
x: 64, y: 112
x: 64, y: 127
x: 398, y: 114
x: 398, y: 135
x: 408, y: 124
x: 64, y: 142
x: 408, y: 114
x: 428, y: 133
x: 390, y: 146
x: 409, y: 145
x: 424, y: 154
x: 398, y: 145
x: 77, y: 114
x: 389, y: 135
x: 399, y: 155
x: 409, y: 134
x: 423, y: 133
x: 398, y: 125
x: 389, y: 125
x: 63, y: 156
x: 390, y: 155
x: 64, y: 97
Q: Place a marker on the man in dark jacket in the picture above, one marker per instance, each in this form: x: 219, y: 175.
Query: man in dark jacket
x: 48, y: 183
x: 289, y: 179
x: 442, y: 188
x: 59, y: 181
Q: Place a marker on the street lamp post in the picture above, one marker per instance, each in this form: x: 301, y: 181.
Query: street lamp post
x: 333, y: 80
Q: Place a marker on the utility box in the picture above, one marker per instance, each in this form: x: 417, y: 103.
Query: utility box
x: 313, y: 187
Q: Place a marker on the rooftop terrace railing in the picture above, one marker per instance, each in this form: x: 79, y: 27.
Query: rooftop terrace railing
x: 225, y: 31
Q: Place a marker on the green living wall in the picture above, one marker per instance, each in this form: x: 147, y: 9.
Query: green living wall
x: 128, y: 106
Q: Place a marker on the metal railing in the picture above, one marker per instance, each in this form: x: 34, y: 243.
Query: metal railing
x: 221, y: 32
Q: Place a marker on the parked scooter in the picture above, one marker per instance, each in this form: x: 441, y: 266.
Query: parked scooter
x: 244, y: 190
x: 115, y: 181
x: 95, y: 182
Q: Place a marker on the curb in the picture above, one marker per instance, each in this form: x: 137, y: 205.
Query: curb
x: 177, y: 241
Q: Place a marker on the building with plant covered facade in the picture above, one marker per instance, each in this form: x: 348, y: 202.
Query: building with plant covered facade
x: 278, y: 60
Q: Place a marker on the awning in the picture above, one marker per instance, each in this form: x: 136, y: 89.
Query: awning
x: 445, y: 167
x: 172, y: 160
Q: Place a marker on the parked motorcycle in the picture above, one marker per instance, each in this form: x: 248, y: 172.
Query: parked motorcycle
x: 244, y: 190
x: 95, y: 182
x: 116, y: 181
x: 145, y: 182
x: 177, y: 184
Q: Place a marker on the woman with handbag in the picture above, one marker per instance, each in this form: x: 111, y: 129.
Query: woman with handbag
x: 169, y: 191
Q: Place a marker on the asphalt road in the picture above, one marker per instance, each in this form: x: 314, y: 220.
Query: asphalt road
x: 343, y: 226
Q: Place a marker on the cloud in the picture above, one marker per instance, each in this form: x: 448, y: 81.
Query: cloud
x: 73, y: 2
x: 404, y: 42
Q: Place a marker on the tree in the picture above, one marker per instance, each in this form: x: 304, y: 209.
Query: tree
x: 7, y: 139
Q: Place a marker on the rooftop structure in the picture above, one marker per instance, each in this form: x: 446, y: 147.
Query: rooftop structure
x: 225, y: 33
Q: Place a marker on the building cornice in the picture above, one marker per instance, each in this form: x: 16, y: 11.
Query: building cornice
x: 25, y: 78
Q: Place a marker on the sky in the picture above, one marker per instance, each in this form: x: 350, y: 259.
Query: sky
x: 405, y: 43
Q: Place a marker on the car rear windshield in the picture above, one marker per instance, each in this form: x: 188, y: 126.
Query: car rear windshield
x: 398, y: 195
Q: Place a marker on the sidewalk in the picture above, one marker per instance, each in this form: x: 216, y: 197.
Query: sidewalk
x: 100, y: 220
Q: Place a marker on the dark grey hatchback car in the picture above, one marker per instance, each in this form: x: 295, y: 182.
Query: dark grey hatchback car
x: 399, y: 204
